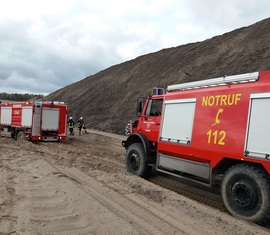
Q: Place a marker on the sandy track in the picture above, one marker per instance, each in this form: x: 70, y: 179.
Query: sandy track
x: 81, y: 187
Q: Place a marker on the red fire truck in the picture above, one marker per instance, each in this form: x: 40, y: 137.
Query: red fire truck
x: 214, y: 132
x: 34, y: 120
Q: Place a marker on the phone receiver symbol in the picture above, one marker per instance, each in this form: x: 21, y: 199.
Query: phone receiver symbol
x: 217, y: 120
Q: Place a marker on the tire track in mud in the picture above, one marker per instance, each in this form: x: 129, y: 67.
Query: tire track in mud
x: 146, y: 216
x: 116, y: 197
x: 30, y: 187
x: 204, y: 195
x: 207, y: 196
x: 8, y: 218
x: 53, y: 208
x: 147, y: 219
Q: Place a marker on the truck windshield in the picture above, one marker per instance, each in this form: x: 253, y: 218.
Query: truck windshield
x: 154, y: 107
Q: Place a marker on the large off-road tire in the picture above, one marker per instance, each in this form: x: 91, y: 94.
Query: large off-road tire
x: 20, y: 136
x: 136, y: 161
x: 245, y: 193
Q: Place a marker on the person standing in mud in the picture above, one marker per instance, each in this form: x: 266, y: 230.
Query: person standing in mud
x: 81, y: 125
x: 71, y: 125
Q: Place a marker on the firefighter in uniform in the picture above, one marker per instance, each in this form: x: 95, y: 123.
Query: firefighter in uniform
x: 81, y: 125
x: 71, y: 125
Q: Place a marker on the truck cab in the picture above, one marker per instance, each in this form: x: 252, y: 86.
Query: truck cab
x: 148, y: 123
x: 143, y: 133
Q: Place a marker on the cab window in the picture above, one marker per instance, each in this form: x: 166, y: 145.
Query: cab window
x: 154, y: 108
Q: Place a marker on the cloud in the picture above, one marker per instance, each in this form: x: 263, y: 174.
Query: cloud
x: 46, y: 45
x: 227, y: 15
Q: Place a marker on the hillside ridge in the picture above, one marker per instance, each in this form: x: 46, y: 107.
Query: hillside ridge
x: 107, y: 99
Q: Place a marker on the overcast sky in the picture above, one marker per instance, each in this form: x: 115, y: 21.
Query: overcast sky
x: 48, y: 44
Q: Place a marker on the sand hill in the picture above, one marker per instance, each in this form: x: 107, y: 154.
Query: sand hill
x: 107, y: 99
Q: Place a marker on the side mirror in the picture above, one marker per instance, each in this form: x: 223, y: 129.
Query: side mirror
x: 140, y: 106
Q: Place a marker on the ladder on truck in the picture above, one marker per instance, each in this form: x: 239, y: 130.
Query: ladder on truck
x: 36, y: 119
x: 221, y: 81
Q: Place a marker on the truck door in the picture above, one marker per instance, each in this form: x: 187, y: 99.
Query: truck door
x: 258, y: 129
x: 178, y: 121
x: 50, y: 119
x: 151, y: 122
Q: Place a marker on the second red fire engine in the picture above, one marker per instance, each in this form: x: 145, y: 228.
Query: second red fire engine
x: 34, y: 120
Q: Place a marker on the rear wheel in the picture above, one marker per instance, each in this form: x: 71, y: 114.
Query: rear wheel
x: 21, y: 135
x: 136, y: 161
x: 245, y: 193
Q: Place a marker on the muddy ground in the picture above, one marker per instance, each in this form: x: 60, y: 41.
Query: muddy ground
x: 81, y: 186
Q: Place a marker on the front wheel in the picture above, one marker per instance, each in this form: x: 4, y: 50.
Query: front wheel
x: 245, y: 192
x: 136, y: 161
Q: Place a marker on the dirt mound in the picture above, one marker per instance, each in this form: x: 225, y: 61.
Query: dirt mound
x: 107, y: 100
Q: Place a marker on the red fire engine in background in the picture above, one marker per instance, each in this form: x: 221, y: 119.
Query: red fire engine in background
x: 214, y: 132
x: 34, y: 120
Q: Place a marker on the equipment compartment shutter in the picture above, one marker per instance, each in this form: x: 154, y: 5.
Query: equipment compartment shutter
x: 178, y: 121
x: 50, y: 119
x: 27, y: 113
x: 6, y: 113
x: 258, y: 131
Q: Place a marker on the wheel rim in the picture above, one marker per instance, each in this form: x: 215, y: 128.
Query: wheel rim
x: 134, y: 161
x: 20, y: 136
x: 243, y: 195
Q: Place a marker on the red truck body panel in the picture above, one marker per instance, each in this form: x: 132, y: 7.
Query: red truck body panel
x: 220, y: 122
x: 212, y: 141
